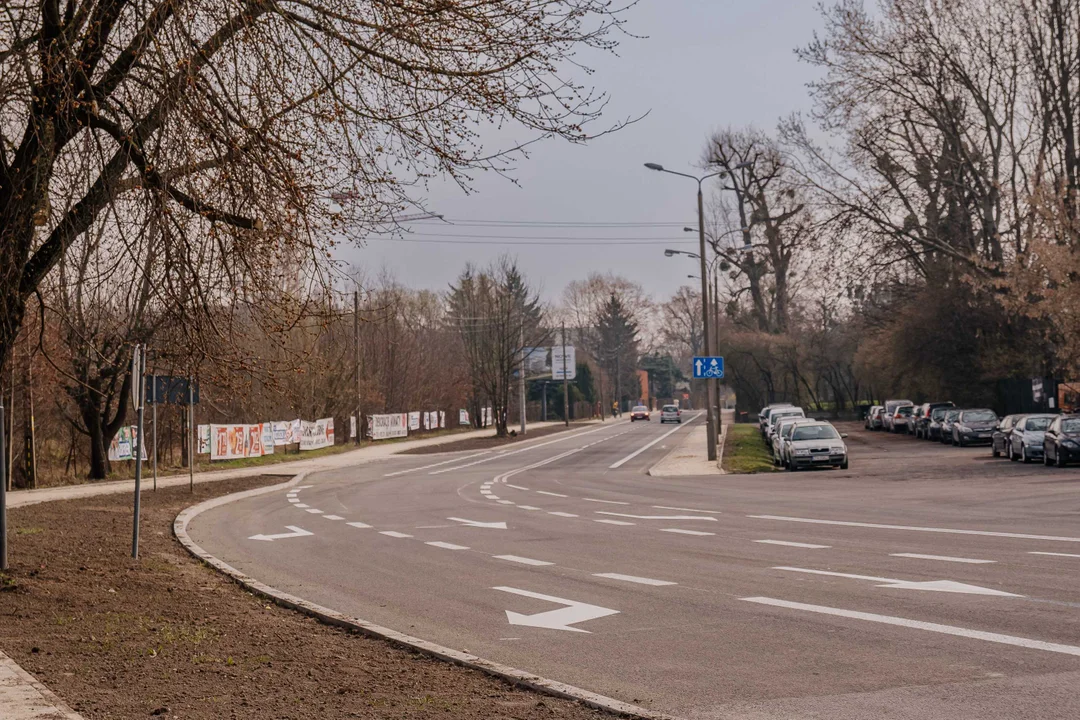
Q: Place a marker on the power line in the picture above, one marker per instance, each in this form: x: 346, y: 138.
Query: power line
x: 556, y: 223
x: 536, y: 241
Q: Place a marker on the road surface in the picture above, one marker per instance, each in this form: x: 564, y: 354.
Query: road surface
x: 924, y: 582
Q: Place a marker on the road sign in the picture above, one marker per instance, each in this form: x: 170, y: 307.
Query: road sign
x: 562, y: 619
x: 563, y: 363
x: 708, y: 367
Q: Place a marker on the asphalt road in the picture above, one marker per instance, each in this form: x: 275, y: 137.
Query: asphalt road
x: 924, y: 582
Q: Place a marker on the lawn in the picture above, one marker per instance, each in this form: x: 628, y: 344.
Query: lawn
x: 745, y: 451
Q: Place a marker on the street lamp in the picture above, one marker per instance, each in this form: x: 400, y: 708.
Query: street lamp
x: 710, y: 383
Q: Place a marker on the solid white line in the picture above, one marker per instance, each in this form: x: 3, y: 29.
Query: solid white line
x: 562, y: 514
x: 943, y: 558
x: 446, y: 545
x: 522, y: 560
x: 607, y: 502
x: 920, y: 625
x: 527, y: 507
x: 1070, y: 555
x: 545, y: 492
x: 612, y: 522
x: 333, y: 517
x: 358, y: 525
x: 633, y: 579
x: 788, y: 543
x: 393, y: 534
x: 314, y: 511
x: 950, y: 531
x: 517, y: 487
x: 444, y: 462
x: 666, y: 507
x: 685, y: 532
x: 631, y: 456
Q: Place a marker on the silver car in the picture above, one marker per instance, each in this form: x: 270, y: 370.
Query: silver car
x: 1025, y: 441
x: 670, y: 413
x: 816, y: 444
x: 783, y: 438
x: 776, y: 415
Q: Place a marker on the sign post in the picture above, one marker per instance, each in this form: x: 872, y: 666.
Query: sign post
x: 3, y: 494
x: 565, y: 381
x: 138, y: 367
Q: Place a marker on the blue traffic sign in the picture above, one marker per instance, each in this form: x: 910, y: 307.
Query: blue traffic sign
x: 708, y: 367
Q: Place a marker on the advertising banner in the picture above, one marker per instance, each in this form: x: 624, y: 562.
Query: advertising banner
x: 228, y: 442
x: 382, y: 427
x: 283, y: 433
x: 328, y: 431
x: 352, y: 427
x: 120, y: 447
x: 463, y: 417
x: 563, y: 363
x: 268, y: 438
x: 442, y: 418
x: 253, y: 440
x: 204, y: 439
x: 414, y: 421
x: 310, y: 435
x: 295, y: 432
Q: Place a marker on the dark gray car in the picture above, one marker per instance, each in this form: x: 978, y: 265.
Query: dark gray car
x: 1026, y: 438
x: 974, y: 426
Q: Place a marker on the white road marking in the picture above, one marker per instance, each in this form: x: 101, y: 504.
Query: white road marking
x: 658, y: 517
x: 358, y: 525
x: 485, y: 491
x: 314, y: 511
x: 294, y: 500
x: 612, y: 522
x: 447, y: 546
x: 492, y: 496
x: 666, y: 507
x: 932, y: 585
x: 478, y: 524
x: 393, y: 534
x: 522, y: 560
x: 562, y: 514
x: 296, y: 532
x: 920, y: 625
x: 631, y: 456
x: 301, y: 505
x: 788, y: 543
x: 1069, y: 555
x: 333, y: 517
x: 608, y: 502
x: 438, y: 464
x: 514, y: 452
x: 561, y: 619
x: 950, y: 531
x: 943, y: 558
x: 545, y: 492
x: 506, y: 502
x: 298, y: 488
x: 685, y: 532
x: 527, y: 507
x: 517, y: 487
x: 634, y: 579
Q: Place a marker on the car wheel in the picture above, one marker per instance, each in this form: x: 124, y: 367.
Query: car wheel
x: 993, y: 449
x: 844, y: 465
x: 1024, y: 454
x: 1012, y: 453
x: 791, y: 467
x: 1046, y: 458
x: 1059, y: 460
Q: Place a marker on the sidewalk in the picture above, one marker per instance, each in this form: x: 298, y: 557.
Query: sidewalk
x: 690, y: 457
x: 22, y: 697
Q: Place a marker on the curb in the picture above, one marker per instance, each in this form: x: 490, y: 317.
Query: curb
x: 509, y: 674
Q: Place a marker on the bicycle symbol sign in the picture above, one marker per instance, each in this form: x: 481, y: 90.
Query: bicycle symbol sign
x: 708, y: 367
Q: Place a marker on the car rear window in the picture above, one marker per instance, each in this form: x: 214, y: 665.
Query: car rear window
x: 670, y: 408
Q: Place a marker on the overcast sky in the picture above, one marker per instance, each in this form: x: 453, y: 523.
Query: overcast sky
x: 704, y: 65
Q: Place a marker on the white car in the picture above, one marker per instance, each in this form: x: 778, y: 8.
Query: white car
x: 776, y: 415
x: 763, y: 416
x: 816, y: 444
x: 782, y: 439
x: 670, y: 413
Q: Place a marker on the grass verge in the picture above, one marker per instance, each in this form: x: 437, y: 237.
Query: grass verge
x: 745, y: 452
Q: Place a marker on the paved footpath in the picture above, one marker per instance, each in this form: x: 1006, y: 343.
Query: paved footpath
x: 22, y: 697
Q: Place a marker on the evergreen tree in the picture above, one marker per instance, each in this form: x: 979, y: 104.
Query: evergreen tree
x: 618, y: 350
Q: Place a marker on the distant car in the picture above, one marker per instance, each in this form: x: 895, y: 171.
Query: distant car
x: 945, y: 431
x: 670, y: 413
x: 974, y: 426
x: 873, y: 417
x: 1026, y: 438
x: 776, y: 416
x: 816, y: 444
x: 922, y: 422
x: 890, y: 412
x: 763, y: 416
x: 900, y: 419
x: 639, y: 412
x: 999, y: 439
x: 916, y: 414
x: 1061, y: 441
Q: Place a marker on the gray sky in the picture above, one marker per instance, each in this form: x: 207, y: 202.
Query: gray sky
x: 705, y: 65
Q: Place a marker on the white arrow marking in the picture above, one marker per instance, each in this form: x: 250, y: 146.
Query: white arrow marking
x: 658, y: 517
x: 477, y: 523
x: 933, y: 585
x: 561, y: 619
x: 296, y: 532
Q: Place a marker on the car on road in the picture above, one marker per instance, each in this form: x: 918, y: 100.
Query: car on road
x: 763, y: 416
x: 816, y: 444
x: 999, y: 440
x: 670, y: 413
x: 778, y: 414
x: 875, y: 418
x: 890, y: 412
x: 945, y: 431
x: 975, y: 425
x: 924, y: 418
x: 1061, y: 441
x: 901, y: 418
x: 639, y: 412
x: 1026, y: 438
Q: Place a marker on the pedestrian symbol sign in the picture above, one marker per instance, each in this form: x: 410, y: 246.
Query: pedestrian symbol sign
x: 708, y: 367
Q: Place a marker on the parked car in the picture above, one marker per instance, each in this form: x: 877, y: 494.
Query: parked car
x: 923, y: 420
x: 1061, y: 441
x: 670, y: 413
x: 1026, y: 438
x: 890, y: 412
x: 783, y: 429
x: 816, y: 444
x: 872, y: 421
x: 974, y: 426
x: 916, y: 414
x: 778, y: 415
x: 900, y: 419
x: 763, y: 416
x: 639, y: 412
x: 999, y: 440
x: 785, y: 437
x: 945, y: 431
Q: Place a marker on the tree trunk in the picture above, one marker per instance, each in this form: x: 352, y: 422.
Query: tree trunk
x: 95, y: 426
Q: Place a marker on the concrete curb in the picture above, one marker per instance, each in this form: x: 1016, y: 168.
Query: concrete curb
x: 509, y: 674
x: 50, y: 707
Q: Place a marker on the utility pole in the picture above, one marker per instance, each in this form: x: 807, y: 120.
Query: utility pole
x: 716, y: 342
x: 138, y: 367
x: 11, y: 426
x: 522, y: 376
x: 356, y: 356
x: 192, y: 431
x: 153, y: 419
x: 565, y: 381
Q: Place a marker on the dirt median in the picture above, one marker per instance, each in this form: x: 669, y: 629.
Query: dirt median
x: 167, y: 637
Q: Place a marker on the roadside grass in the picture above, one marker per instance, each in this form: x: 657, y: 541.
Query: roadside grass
x: 745, y: 451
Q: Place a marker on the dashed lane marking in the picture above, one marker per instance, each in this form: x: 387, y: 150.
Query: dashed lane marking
x: 552, y: 494
x: 301, y: 505
x: 517, y: 487
x: 522, y: 560
x: 667, y: 507
x: 609, y: 502
x: 561, y: 514
x: 633, y: 579
x: 313, y: 511
x: 612, y: 522
x: 446, y: 545
x: 358, y: 525
x: 680, y: 531
x: 1068, y: 555
x: 506, y: 502
x: 394, y: 534
x: 333, y: 517
x: 789, y: 543
x: 527, y: 507
x: 943, y: 558
x: 914, y: 528
x: 658, y: 517
x: 294, y: 501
